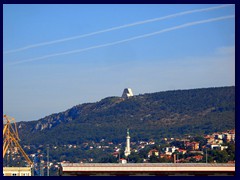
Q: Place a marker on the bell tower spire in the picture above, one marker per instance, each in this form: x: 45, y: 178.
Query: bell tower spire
x: 127, y: 151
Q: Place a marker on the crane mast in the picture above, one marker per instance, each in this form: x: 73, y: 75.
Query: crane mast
x: 11, y: 138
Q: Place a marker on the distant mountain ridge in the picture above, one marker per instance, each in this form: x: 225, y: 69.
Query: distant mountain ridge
x: 153, y: 115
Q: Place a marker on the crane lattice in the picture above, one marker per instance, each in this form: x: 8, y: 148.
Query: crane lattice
x: 11, y: 138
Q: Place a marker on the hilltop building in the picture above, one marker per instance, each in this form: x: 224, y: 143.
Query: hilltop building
x: 127, y: 151
x: 127, y: 92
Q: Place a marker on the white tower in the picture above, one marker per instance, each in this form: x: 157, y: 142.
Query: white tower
x: 127, y: 149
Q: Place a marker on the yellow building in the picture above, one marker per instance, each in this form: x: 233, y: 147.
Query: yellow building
x: 17, y: 171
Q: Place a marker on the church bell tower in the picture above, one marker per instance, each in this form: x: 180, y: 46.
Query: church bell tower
x: 127, y: 149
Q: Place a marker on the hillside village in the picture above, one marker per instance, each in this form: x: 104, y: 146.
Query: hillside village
x: 84, y: 141
x: 218, y: 147
x: 150, y: 116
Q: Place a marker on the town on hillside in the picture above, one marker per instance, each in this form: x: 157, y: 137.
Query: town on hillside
x: 218, y: 147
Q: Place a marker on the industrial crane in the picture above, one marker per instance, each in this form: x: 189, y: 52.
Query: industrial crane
x: 11, y: 138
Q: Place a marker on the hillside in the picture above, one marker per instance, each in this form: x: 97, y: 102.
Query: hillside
x: 155, y: 115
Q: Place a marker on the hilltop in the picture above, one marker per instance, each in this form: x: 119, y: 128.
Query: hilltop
x: 152, y: 115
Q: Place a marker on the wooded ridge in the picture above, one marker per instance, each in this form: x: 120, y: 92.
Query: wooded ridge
x: 148, y: 116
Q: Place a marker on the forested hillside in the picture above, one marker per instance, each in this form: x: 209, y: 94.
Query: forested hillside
x: 156, y: 115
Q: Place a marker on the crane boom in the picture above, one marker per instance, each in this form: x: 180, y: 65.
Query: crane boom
x: 11, y: 138
x: 5, y: 129
x: 23, y: 152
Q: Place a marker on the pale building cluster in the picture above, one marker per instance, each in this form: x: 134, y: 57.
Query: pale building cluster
x: 215, y: 140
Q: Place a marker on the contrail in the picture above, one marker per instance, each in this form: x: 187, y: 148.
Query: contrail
x: 127, y: 40
x: 116, y: 28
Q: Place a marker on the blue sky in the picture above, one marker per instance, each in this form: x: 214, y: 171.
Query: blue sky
x: 41, y: 74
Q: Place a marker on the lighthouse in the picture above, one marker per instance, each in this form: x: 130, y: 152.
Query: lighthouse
x: 127, y: 149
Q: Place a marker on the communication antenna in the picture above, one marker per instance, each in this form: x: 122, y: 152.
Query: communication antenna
x: 206, y: 156
x: 48, y: 160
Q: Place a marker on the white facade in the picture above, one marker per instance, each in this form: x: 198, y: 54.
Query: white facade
x: 218, y: 146
x: 170, y: 150
x: 17, y: 171
x: 123, y: 161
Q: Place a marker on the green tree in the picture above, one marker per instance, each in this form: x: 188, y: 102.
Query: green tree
x: 154, y: 159
x: 135, y: 158
x: 108, y: 159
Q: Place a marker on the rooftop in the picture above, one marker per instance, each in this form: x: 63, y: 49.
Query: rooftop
x: 148, y: 165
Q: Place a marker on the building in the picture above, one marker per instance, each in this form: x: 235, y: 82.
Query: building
x: 17, y: 171
x: 170, y: 150
x: 127, y: 93
x: 196, y: 152
x: 218, y: 146
x: 197, y: 157
x: 115, y: 154
x: 182, y: 151
x: 192, y: 145
x: 127, y: 151
x: 218, y: 136
x: 227, y: 137
x: 123, y: 161
x: 147, y: 169
x: 195, y: 145
x: 153, y: 152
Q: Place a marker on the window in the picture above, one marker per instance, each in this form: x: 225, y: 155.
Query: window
x: 24, y: 174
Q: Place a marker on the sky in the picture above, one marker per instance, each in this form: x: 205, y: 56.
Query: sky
x: 58, y: 56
